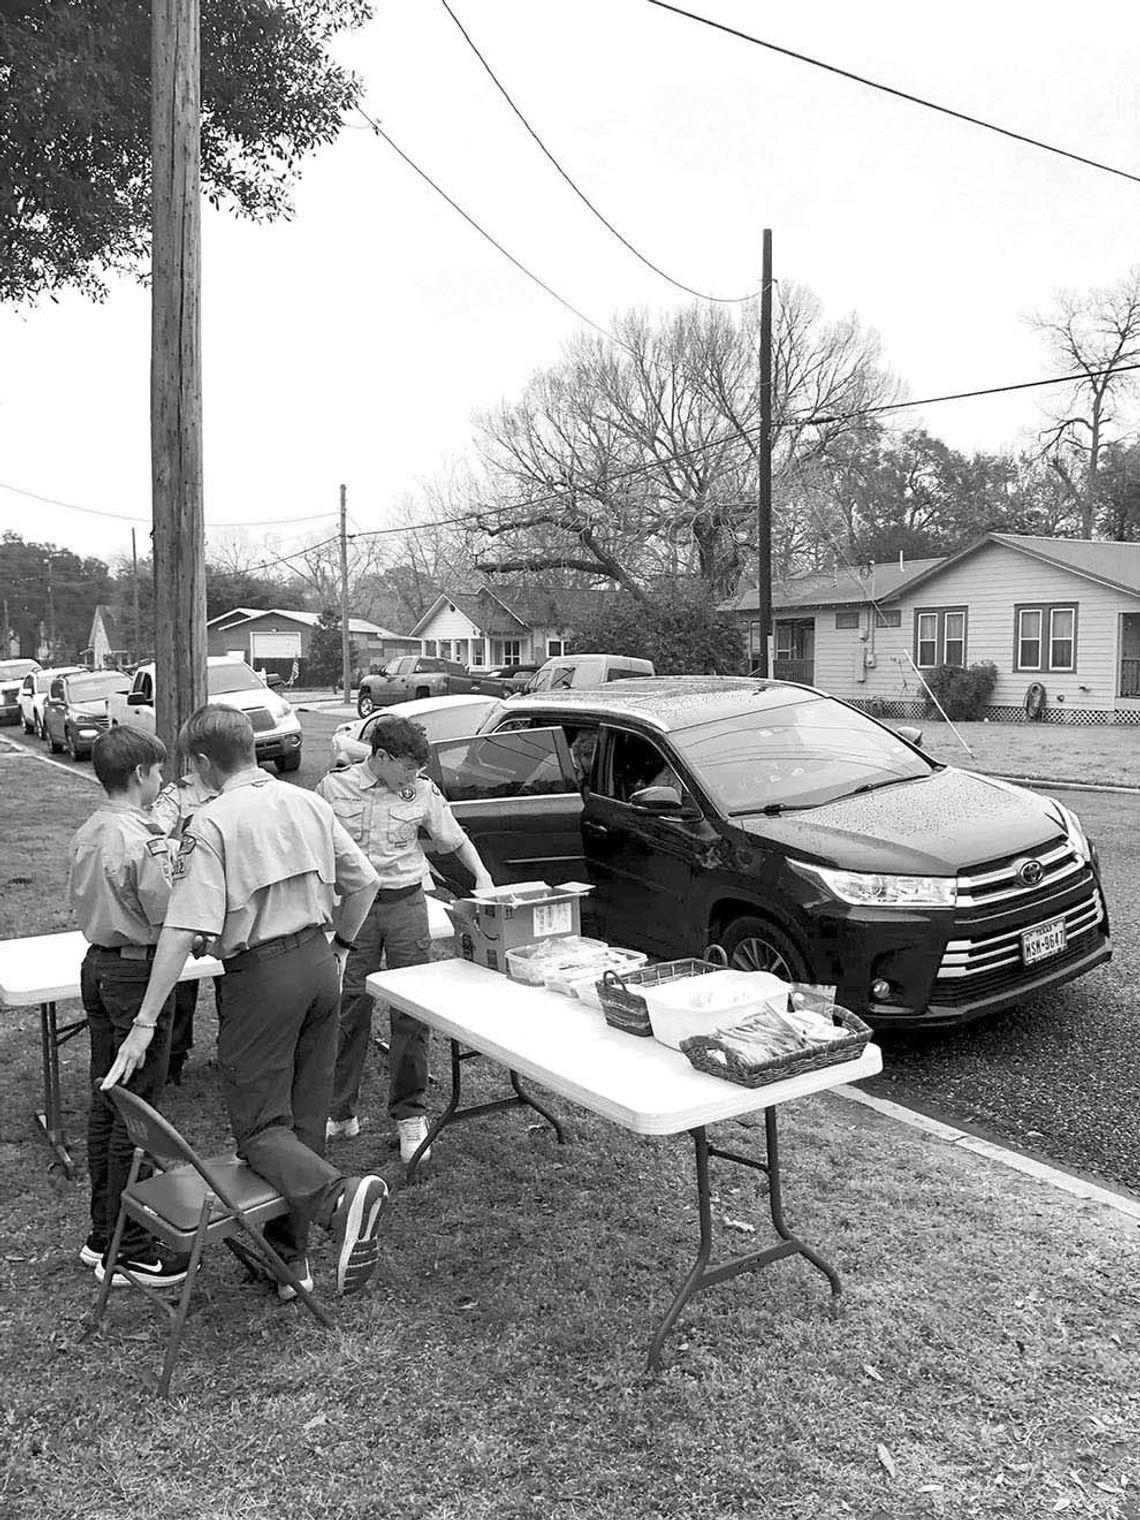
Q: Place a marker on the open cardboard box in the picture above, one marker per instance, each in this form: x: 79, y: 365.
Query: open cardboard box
x: 506, y: 918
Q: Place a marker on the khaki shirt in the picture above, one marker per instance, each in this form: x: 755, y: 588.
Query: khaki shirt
x: 262, y: 860
x: 387, y: 825
x: 120, y: 877
x: 177, y: 803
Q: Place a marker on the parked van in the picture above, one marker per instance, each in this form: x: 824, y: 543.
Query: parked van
x: 566, y: 671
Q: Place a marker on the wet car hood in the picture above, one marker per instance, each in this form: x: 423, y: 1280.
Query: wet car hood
x: 97, y: 707
x: 935, y: 826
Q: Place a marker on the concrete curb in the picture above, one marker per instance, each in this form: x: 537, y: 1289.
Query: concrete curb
x: 1108, y: 789
x: 1018, y: 1161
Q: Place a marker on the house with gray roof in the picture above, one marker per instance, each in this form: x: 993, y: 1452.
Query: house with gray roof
x: 501, y: 626
x: 1059, y: 613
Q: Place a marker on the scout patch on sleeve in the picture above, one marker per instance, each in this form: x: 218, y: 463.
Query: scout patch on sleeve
x: 157, y: 846
x: 408, y: 794
x: 182, y: 859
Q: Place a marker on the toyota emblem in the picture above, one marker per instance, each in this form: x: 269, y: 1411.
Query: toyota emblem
x: 1030, y: 872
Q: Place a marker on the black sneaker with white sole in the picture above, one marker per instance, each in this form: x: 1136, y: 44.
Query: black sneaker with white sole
x: 150, y: 1268
x: 355, y: 1225
x: 93, y: 1250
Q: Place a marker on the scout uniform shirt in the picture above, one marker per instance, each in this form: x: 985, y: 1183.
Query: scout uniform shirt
x: 177, y: 803
x: 120, y: 877
x: 387, y: 825
x: 262, y: 860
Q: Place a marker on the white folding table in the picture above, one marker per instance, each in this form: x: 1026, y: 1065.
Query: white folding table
x: 638, y: 1083
x: 44, y: 970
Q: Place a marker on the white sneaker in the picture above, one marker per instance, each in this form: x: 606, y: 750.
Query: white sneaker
x: 342, y: 1129
x: 413, y: 1132
x: 286, y: 1292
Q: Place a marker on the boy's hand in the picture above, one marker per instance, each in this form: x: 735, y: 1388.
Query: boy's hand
x: 483, y: 881
x: 130, y: 1055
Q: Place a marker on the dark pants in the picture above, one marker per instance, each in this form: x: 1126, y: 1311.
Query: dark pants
x: 277, y: 1020
x: 112, y: 991
x: 400, y: 934
x: 182, y: 1029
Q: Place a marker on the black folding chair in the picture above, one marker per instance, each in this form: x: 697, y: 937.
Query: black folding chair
x: 188, y: 1204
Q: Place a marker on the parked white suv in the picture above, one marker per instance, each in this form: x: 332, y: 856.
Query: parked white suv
x: 34, y: 690
x: 12, y: 673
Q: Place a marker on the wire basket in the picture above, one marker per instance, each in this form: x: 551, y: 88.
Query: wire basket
x: 623, y: 1005
x: 734, y: 1068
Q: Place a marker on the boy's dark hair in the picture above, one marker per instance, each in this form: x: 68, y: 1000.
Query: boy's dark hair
x: 117, y: 751
x: 223, y: 734
x: 400, y: 738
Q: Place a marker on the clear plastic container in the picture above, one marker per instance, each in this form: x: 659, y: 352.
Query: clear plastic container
x: 532, y: 964
x: 702, y: 1004
x: 570, y: 979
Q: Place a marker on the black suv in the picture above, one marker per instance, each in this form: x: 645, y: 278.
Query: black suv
x: 803, y: 836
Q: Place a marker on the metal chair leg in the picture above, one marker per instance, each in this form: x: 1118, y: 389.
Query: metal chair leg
x: 178, y: 1316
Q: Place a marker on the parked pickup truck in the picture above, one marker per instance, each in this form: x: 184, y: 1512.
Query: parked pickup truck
x: 411, y: 676
x: 231, y: 683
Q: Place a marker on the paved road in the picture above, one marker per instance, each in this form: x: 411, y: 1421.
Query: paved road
x: 1059, y: 1075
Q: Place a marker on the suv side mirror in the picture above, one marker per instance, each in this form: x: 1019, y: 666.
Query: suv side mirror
x: 911, y: 735
x: 666, y: 801
x: 136, y: 699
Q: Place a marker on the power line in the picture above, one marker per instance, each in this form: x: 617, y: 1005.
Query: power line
x: 918, y: 100
x: 578, y: 191
x: 483, y: 233
x: 70, y: 506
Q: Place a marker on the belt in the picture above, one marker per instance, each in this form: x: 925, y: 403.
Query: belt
x: 271, y: 947
x: 128, y: 952
x: 395, y: 894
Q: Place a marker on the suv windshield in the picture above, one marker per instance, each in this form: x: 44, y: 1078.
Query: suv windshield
x: 234, y: 675
x: 94, y: 688
x: 806, y: 752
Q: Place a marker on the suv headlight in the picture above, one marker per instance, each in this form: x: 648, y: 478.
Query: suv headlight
x: 1074, y: 832
x: 867, y: 889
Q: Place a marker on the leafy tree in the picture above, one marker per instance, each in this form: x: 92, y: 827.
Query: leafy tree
x: 323, y: 666
x: 226, y: 589
x: 75, y: 149
x: 683, y: 634
x: 51, y: 589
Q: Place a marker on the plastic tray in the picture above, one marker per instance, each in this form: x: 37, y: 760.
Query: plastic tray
x: 703, y: 1004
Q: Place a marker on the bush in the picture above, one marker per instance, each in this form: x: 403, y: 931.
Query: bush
x: 964, y: 693
x: 679, y: 633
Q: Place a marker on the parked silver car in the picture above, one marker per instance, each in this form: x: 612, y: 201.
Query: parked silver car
x: 440, y: 717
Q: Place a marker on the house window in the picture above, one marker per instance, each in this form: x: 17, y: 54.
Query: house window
x: 430, y: 647
x: 939, y: 637
x: 555, y: 648
x: 847, y: 619
x: 512, y: 651
x: 1045, y: 637
x: 890, y: 617
x: 476, y: 651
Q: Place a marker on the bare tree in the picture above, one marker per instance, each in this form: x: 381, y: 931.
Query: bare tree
x: 1096, y: 336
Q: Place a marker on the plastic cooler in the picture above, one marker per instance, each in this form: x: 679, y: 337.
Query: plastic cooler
x: 703, y: 1004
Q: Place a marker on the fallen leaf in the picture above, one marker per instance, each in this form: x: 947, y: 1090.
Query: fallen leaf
x: 466, y: 1303
x: 1109, y: 1488
x: 318, y: 1419
x: 885, y: 1458
x: 871, y: 1373
x: 739, y: 1224
x: 1062, y: 1503
x: 931, y: 1488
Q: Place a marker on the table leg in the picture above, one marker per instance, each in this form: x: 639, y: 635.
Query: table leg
x: 49, y: 1120
x: 701, y: 1275
x: 452, y: 1114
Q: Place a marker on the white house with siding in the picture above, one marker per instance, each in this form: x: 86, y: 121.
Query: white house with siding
x: 503, y: 627
x: 1064, y: 613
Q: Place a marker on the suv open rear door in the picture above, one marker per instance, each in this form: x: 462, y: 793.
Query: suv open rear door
x: 516, y: 795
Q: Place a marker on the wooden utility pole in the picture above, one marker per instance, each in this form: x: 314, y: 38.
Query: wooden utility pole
x: 50, y: 612
x: 345, y: 645
x: 176, y: 367
x: 136, y: 647
x: 764, y: 493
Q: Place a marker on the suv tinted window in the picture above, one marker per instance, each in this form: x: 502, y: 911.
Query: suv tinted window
x: 530, y: 763
x: 635, y: 763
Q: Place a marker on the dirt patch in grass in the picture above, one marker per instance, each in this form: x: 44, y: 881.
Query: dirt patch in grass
x: 985, y: 1362
x: 1108, y: 754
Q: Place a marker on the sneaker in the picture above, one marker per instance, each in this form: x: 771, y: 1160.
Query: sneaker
x: 286, y: 1292
x: 342, y: 1129
x: 355, y: 1223
x: 413, y: 1133
x: 93, y: 1250
x: 150, y: 1268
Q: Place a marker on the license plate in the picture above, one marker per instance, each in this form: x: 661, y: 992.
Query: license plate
x: 1040, y: 943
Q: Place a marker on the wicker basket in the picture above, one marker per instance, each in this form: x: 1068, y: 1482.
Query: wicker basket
x: 623, y: 1005
x: 734, y: 1068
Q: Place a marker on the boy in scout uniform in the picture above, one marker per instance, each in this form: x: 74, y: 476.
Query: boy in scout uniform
x: 386, y: 806
x: 119, y: 887
x: 256, y: 873
x: 173, y: 808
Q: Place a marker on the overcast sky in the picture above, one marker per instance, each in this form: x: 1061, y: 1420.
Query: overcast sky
x: 354, y: 343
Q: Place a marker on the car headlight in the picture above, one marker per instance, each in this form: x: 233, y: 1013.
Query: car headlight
x: 1074, y: 832
x: 867, y: 889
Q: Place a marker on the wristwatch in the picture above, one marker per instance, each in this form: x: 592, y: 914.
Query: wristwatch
x: 345, y: 944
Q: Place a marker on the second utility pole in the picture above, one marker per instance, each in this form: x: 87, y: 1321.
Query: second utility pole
x: 345, y: 650
x: 764, y: 492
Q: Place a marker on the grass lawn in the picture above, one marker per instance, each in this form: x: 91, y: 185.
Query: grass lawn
x: 1052, y: 751
x: 985, y: 1363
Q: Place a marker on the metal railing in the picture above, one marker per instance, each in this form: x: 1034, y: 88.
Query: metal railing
x: 794, y: 670
x: 1130, y: 678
